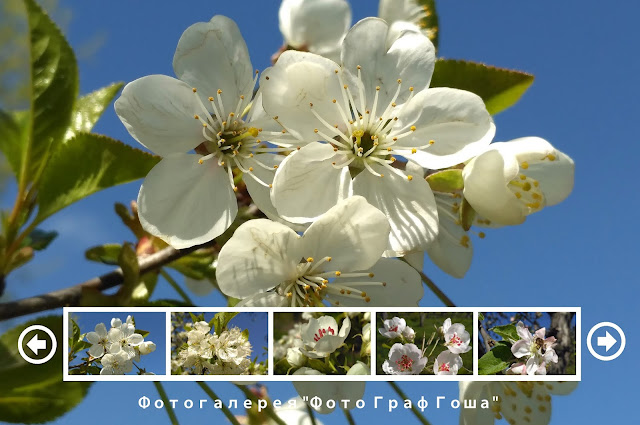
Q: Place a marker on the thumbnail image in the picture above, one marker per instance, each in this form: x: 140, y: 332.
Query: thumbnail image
x: 313, y: 343
x: 225, y: 343
x: 424, y: 344
x: 530, y: 343
x: 116, y: 343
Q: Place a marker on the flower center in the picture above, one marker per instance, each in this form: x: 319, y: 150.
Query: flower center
x: 404, y: 363
x: 455, y: 340
x: 312, y: 286
x: 394, y: 329
x: 527, y: 189
x: 366, y: 134
x: 322, y: 332
x: 444, y: 367
x: 229, y: 139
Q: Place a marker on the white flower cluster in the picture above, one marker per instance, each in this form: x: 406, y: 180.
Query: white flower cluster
x: 534, y: 352
x: 119, y: 347
x: 207, y: 353
x: 408, y: 359
x: 344, y: 138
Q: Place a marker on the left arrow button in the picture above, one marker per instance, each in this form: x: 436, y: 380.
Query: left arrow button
x: 36, y: 344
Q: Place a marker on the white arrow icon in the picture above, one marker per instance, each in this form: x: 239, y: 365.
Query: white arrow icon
x: 36, y: 344
x: 606, y: 341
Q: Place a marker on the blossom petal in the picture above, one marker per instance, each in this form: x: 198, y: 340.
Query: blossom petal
x: 520, y: 348
x: 135, y: 339
x: 158, y: 112
x: 409, y: 206
x: 260, y: 194
x: 306, y: 185
x: 260, y: 255
x: 556, y: 177
x: 315, y: 25
x: 384, y: 57
x: 485, y: 187
x: 92, y: 337
x: 186, y: 203
x: 523, y: 332
x: 213, y: 56
x: 452, y: 250
x: 456, y: 120
x: 295, y: 82
x: 265, y: 299
x: 353, y: 233
x: 200, y: 287
x: 403, y: 286
x: 96, y: 351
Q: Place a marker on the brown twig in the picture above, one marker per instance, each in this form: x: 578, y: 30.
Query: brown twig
x: 71, y: 296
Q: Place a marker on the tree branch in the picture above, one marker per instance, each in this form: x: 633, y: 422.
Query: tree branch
x: 71, y: 296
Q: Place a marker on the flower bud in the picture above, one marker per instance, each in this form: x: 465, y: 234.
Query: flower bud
x: 147, y: 347
x: 295, y: 357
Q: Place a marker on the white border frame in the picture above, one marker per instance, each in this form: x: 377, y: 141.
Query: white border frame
x: 270, y: 377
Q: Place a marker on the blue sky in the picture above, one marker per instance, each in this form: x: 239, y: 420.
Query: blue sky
x: 579, y: 253
x: 154, y: 323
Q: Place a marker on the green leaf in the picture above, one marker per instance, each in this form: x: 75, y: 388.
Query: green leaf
x: 467, y: 214
x: 507, y: 332
x: 76, y: 331
x: 480, y: 316
x: 143, y: 333
x: 500, y: 88
x: 54, y: 87
x: 107, y: 253
x: 231, y: 302
x: 86, y: 164
x: 221, y: 320
x: 446, y: 181
x: 40, y: 239
x: 14, y: 135
x: 496, y: 360
x: 245, y: 335
x: 35, y: 393
x: 89, y: 108
x: 195, y: 318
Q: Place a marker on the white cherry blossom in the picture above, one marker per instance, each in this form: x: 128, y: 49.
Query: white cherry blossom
x: 536, y: 349
x: 408, y: 333
x: 355, y: 119
x: 404, y: 359
x: 99, y: 340
x: 124, y: 339
x: 393, y: 328
x: 321, y: 337
x: 116, y: 364
x: 295, y: 357
x: 316, y: 26
x: 519, y: 402
x: 511, y: 180
x: 447, y: 363
x: 188, y: 199
x: 337, y: 259
x: 456, y: 338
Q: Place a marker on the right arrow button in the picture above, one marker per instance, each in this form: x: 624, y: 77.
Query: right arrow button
x: 607, y: 341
